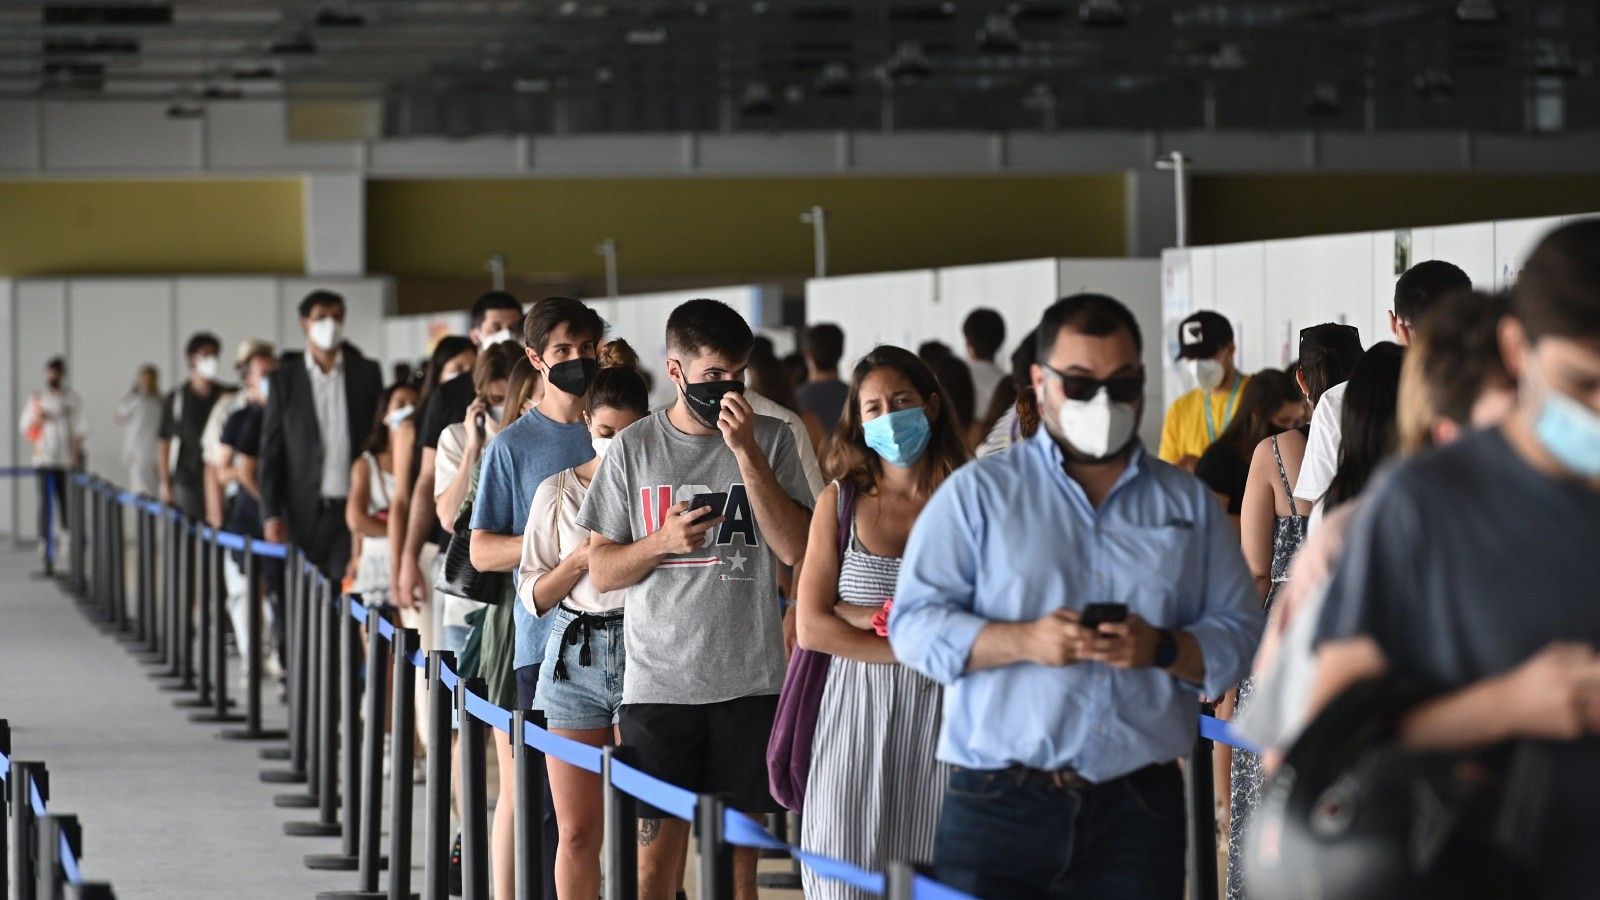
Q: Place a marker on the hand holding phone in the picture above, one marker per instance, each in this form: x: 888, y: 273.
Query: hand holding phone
x: 716, y: 502
x: 1096, y: 614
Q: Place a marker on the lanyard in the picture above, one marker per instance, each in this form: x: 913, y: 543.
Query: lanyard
x: 1227, y: 410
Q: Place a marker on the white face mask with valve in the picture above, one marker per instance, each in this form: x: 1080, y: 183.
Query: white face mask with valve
x: 1206, y: 373
x: 1096, y: 427
x: 326, y: 333
x: 206, y: 367
x: 497, y: 337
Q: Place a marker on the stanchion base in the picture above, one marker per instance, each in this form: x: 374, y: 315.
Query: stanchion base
x: 213, y: 718
x: 150, y: 658
x: 252, y: 734
x: 353, y: 895
x: 165, y: 675
x: 296, y: 801
x: 312, y: 829
x: 196, y: 703
x: 283, y: 776
x: 338, y: 862
x: 779, y: 880
x: 129, y: 636
x: 278, y: 753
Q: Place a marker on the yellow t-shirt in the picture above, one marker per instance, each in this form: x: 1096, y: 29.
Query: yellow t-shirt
x: 1184, y: 431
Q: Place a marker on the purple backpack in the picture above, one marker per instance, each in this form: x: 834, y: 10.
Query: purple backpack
x: 794, y: 726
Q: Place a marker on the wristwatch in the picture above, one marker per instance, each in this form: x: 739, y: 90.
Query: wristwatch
x: 1166, y: 648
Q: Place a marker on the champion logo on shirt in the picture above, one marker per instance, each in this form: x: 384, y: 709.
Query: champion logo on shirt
x: 740, y: 520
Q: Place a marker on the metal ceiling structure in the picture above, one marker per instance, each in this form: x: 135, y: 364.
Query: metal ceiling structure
x: 468, y: 67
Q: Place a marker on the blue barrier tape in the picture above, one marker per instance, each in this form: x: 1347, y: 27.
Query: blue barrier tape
x: 386, y: 629
x: 668, y: 798
x: 739, y: 830
x: 925, y: 888
x: 18, y: 471
x: 357, y: 611
x: 69, y: 862
x: 567, y: 750
x: 1221, y: 731
x: 127, y: 498
x: 487, y: 713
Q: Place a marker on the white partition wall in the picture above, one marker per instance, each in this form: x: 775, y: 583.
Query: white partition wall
x: 908, y: 308
x: 641, y: 320
x: 411, y: 338
x: 107, y: 327
x: 1269, y: 290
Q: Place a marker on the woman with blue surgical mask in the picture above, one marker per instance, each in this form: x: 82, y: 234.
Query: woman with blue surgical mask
x: 581, y: 677
x: 874, y: 789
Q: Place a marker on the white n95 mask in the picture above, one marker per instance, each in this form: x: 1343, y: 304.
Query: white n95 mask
x: 326, y: 333
x: 1096, y: 427
x: 1207, y: 373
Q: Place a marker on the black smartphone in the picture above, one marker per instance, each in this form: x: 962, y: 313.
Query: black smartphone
x: 1096, y: 614
x: 715, y: 501
x: 478, y: 423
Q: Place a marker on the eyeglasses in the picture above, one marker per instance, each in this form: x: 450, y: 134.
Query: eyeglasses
x: 1120, y: 388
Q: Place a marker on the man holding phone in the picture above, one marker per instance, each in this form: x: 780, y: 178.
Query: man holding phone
x: 1076, y: 595
x: 683, y: 512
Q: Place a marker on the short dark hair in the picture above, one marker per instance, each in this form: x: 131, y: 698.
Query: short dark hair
x: 825, y: 344
x: 1096, y: 315
x: 57, y: 364
x: 1328, y: 353
x: 1453, y: 360
x: 1558, y: 292
x: 1424, y: 284
x: 701, y: 325
x: 493, y: 300
x: 319, y: 297
x: 985, y: 331
x: 551, y: 312
x: 202, y: 340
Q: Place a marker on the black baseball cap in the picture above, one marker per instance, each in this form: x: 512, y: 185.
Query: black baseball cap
x: 1203, y: 335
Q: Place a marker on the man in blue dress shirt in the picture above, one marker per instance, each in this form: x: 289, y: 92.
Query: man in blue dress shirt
x: 1065, y: 737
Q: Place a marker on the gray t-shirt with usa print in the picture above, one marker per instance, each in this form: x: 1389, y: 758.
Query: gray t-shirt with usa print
x: 703, y: 627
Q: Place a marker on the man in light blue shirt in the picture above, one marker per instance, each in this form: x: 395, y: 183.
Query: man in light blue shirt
x: 1064, y: 734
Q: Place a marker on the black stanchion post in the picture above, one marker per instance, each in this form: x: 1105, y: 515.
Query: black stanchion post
x: 349, y: 743
x: 5, y: 837
x: 297, y: 634
x: 24, y: 777
x: 150, y: 560
x: 80, y: 537
x: 436, y: 803
x: 323, y: 770
x: 529, y: 829
x: 715, y: 854
x: 364, y: 827
x: 899, y: 880
x: 96, y: 563
x: 205, y: 592
x: 474, y: 802
x: 183, y: 603
x: 290, y: 649
x: 251, y: 650
x: 53, y: 829
x: 141, y: 566
x: 403, y: 723
x: 621, y: 869
x: 214, y: 620
x: 119, y: 567
x: 48, y: 539
x: 1202, y: 861
x: 172, y: 594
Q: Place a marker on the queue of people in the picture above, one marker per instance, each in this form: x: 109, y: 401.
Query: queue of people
x: 1003, y: 656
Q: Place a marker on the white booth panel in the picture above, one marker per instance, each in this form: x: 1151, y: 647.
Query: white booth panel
x: 641, y: 320
x: 41, y: 332
x: 880, y: 308
x: 1469, y: 246
x: 1386, y: 269
x: 1019, y: 291
x: 1177, y: 302
x: 1137, y: 283
x: 233, y: 309
x: 1340, y: 281
x: 1514, y: 239
x: 1239, y: 292
x: 116, y: 325
x: 410, y: 339
x: 9, y: 410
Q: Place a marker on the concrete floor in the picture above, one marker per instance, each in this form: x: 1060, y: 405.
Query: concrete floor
x: 168, y: 811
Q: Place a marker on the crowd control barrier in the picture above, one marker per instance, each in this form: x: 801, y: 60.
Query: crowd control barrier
x: 339, y: 655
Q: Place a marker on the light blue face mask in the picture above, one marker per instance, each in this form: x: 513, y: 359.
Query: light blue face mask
x: 1571, y: 432
x: 899, y: 437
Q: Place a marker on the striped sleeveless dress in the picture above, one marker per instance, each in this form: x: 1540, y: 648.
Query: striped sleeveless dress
x: 875, y: 790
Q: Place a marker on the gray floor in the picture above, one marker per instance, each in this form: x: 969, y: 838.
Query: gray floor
x: 167, y: 810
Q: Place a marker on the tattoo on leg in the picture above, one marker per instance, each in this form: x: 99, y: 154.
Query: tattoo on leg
x: 648, y: 830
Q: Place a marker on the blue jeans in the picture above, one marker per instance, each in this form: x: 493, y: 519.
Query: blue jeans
x: 1006, y: 834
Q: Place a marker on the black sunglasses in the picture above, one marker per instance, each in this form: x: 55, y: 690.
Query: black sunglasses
x: 1120, y: 388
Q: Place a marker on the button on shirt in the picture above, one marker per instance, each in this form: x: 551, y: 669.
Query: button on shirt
x: 1010, y: 538
x: 333, y: 422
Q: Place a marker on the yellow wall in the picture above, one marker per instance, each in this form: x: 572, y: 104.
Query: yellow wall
x: 733, y: 227
x: 52, y: 227
x: 1230, y: 208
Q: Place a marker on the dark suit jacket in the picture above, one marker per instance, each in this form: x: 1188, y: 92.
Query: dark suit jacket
x: 291, y: 440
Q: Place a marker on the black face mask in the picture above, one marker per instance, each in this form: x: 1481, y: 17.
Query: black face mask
x: 573, y: 376
x: 705, y: 398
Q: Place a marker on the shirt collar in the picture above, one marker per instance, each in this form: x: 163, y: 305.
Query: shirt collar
x: 316, y: 370
x: 1048, y: 453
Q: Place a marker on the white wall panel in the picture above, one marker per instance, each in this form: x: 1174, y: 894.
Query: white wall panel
x: 116, y: 325
x: 1239, y: 287
x: 1137, y: 283
x: 9, y: 411
x: 119, y: 136
x: 879, y: 308
x: 641, y: 320
x: 1514, y: 239
x: 233, y: 309
x: 1020, y: 291
x: 367, y: 302
x: 1177, y: 301
x: 411, y: 339
x: 1469, y: 246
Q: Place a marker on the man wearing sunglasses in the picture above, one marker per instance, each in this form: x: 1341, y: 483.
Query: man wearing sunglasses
x: 1076, y: 596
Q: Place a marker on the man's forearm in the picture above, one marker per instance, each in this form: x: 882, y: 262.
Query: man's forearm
x: 493, y: 552
x: 1000, y: 644
x: 613, y: 567
x: 1190, y: 665
x: 782, y: 521
x: 1472, y: 717
x: 419, y: 524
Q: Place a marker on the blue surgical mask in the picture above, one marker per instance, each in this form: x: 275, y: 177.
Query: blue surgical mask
x: 899, y: 437
x: 1571, y: 432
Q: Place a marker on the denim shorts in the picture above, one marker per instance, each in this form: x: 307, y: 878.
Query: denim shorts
x: 570, y: 693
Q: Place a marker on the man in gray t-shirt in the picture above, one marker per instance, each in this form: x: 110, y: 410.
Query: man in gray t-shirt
x: 703, y: 625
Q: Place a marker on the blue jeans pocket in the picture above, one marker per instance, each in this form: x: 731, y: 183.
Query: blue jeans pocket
x: 1159, y: 793
x: 972, y: 784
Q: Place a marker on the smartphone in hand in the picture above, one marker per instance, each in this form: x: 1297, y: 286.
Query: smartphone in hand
x: 716, y: 501
x: 1096, y: 614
